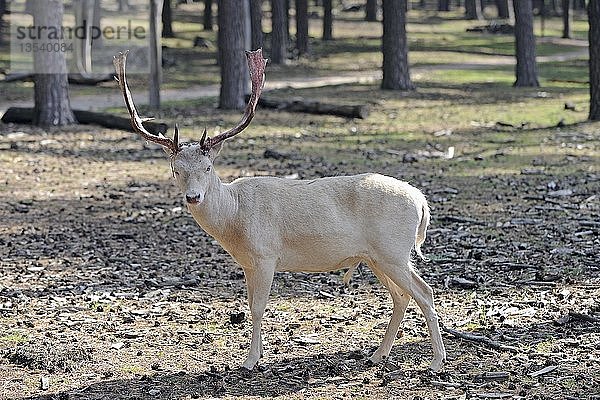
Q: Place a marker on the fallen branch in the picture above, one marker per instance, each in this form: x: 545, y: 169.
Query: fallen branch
x: 583, y: 317
x: 315, y: 107
x: 78, y: 79
x: 480, y: 339
x: 25, y: 116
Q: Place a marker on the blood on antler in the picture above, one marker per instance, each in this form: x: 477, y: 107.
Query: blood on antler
x: 256, y: 65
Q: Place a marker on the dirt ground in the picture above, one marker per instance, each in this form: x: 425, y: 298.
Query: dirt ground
x: 108, y: 289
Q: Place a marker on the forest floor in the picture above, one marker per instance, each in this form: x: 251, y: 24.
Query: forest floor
x: 109, y: 289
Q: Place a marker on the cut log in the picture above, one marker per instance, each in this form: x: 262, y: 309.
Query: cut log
x: 20, y: 115
x: 315, y: 107
x: 77, y: 79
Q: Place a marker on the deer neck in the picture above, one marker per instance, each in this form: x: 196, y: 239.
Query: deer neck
x: 216, y: 213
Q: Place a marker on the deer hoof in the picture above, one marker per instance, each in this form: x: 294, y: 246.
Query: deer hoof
x: 437, y: 364
x: 376, y: 358
x: 250, y: 363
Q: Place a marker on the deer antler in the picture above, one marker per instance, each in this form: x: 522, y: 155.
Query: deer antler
x: 256, y: 65
x: 120, y: 61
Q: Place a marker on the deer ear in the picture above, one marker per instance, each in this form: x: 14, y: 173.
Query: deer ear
x: 215, y: 150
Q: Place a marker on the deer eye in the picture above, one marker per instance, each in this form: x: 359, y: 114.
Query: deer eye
x: 207, y: 169
x: 176, y: 173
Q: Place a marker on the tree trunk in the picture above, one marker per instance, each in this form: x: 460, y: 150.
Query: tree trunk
x: 371, y: 10
x: 396, y: 75
x: 594, y: 40
x: 473, y: 9
x: 2, y: 8
x: 279, y: 33
x: 287, y: 18
x: 123, y: 5
x: 302, y: 26
x: 256, y: 23
x: 526, y: 69
x: 231, y: 54
x: 51, y: 88
x: 155, y: 58
x: 207, y: 16
x: 443, y: 5
x: 167, y: 20
x: 567, y: 18
x: 505, y: 10
x: 327, y: 20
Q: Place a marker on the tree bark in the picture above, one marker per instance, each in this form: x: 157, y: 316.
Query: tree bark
x: 594, y: 42
x: 371, y: 10
x: 231, y: 54
x: 567, y: 18
x: 155, y: 58
x: 473, y: 9
x: 302, y: 26
x: 123, y: 5
x: 526, y: 69
x: 327, y: 20
x: 207, y: 17
x: 279, y: 33
x: 505, y: 10
x: 256, y: 23
x: 443, y: 5
x: 396, y: 74
x: 51, y: 88
x: 167, y: 20
x: 287, y: 18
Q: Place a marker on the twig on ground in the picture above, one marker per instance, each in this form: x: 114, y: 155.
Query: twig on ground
x: 480, y: 339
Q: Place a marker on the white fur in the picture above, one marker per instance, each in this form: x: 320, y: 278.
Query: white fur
x: 270, y: 224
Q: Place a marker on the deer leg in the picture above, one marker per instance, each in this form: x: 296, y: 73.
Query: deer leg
x: 259, y: 285
x: 250, y: 288
x: 418, y: 289
x: 401, y: 300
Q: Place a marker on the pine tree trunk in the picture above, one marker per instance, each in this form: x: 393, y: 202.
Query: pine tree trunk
x: 167, y: 20
x: 567, y: 18
x: 526, y: 69
x: 327, y: 20
x: 2, y: 12
x: 231, y: 54
x: 371, y: 10
x: 279, y: 37
x: 287, y: 18
x: 256, y: 23
x: 302, y: 26
x: 443, y: 5
x: 207, y: 18
x: 155, y: 55
x: 51, y: 88
x: 594, y: 40
x: 123, y: 5
x: 505, y: 10
x: 396, y: 74
x: 473, y: 9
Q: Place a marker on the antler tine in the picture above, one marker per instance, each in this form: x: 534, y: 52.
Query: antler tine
x: 120, y: 61
x: 256, y: 65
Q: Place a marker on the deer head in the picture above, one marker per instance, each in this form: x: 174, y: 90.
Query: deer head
x: 192, y: 162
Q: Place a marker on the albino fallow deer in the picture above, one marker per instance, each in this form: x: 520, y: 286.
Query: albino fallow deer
x: 270, y: 224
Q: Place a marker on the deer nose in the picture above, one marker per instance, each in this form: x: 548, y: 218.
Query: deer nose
x: 191, y: 199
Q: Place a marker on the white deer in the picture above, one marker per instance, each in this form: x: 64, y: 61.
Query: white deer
x: 270, y: 224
